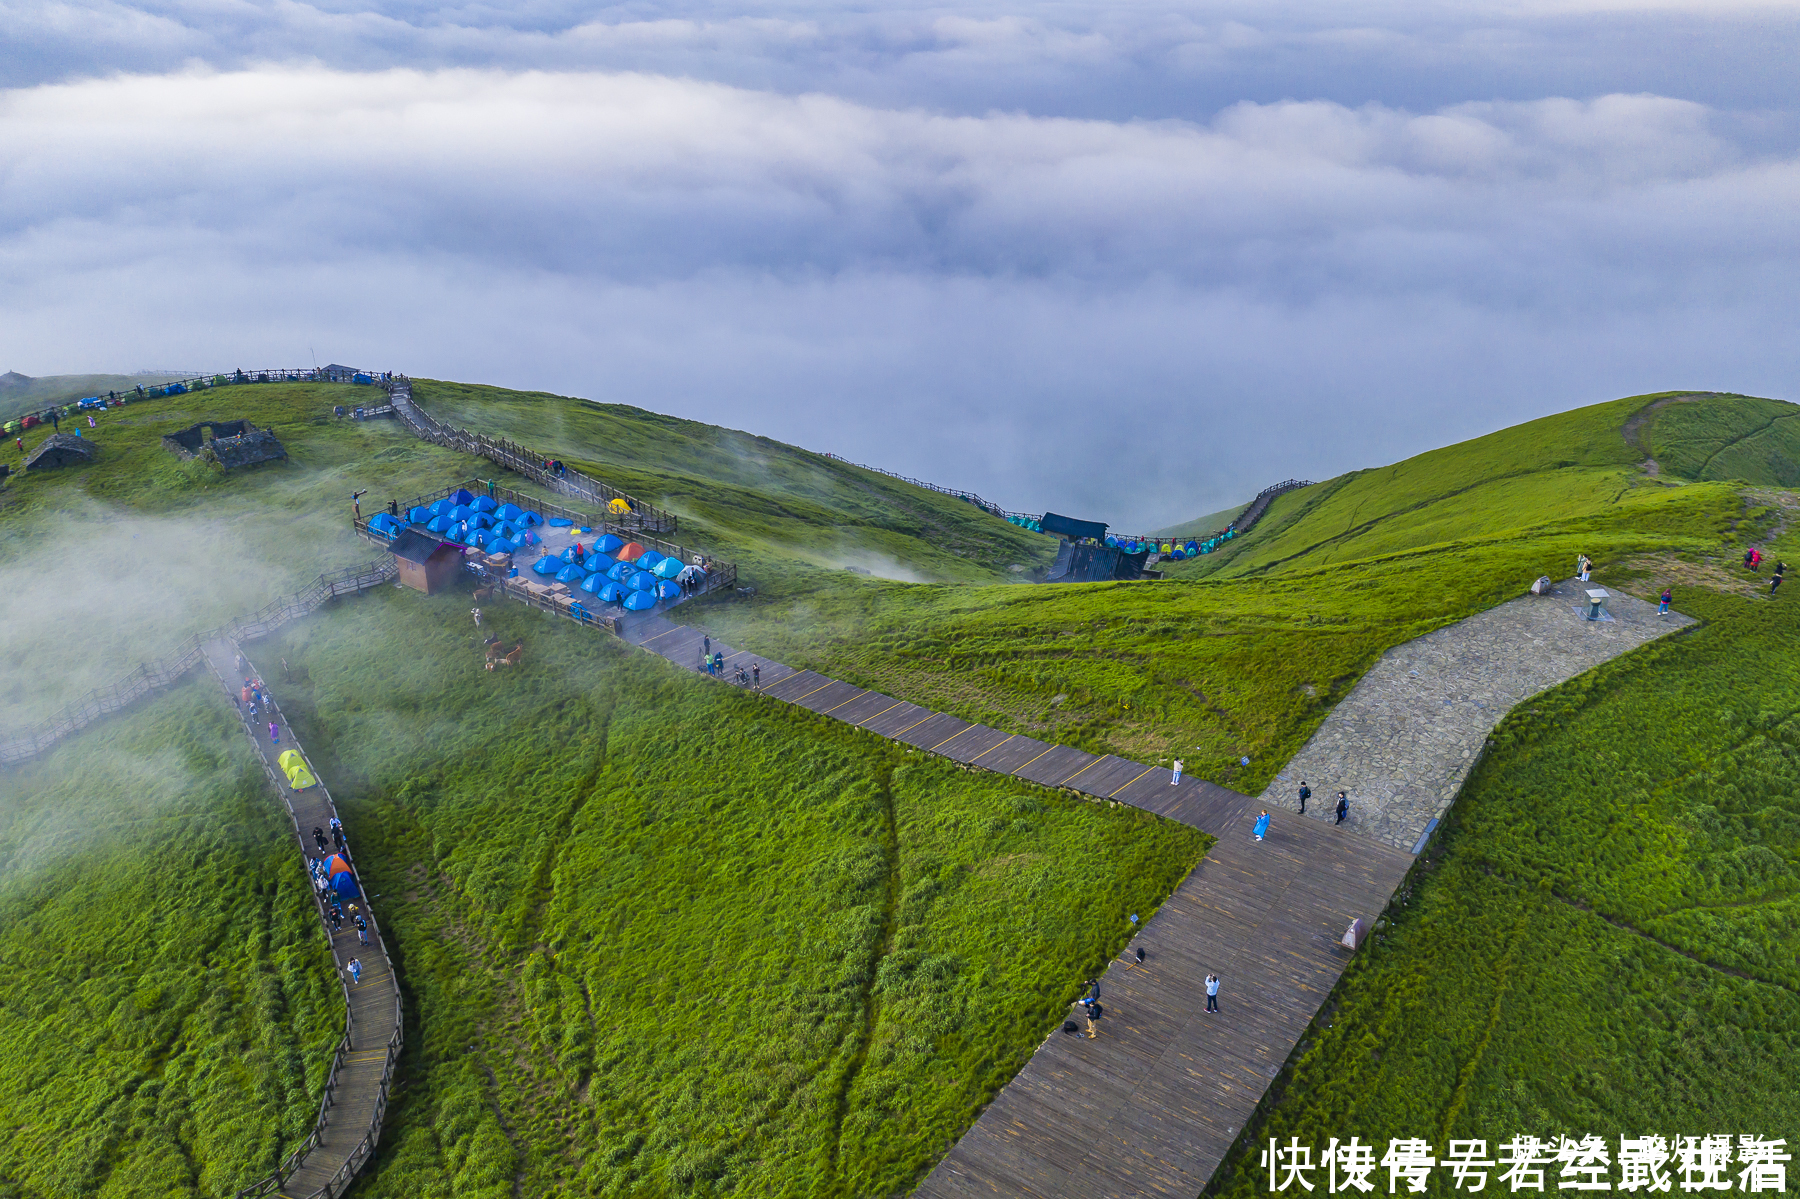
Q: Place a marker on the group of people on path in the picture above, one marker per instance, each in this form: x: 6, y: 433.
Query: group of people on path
x: 1753, y: 558
x: 713, y: 662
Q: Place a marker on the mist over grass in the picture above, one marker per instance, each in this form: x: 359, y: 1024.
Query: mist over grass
x: 106, y: 566
x: 171, y: 1005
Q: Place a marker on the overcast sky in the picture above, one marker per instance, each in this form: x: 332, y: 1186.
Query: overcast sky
x: 1126, y: 261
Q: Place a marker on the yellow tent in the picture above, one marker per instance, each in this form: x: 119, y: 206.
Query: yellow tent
x: 618, y: 507
x: 299, y: 777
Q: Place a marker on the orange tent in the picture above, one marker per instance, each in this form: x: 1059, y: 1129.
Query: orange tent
x: 630, y: 553
x: 337, y: 865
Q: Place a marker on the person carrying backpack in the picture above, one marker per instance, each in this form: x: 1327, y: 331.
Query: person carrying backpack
x: 1664, y: 601
x: 1343, y: 807
x: 1305, y: 794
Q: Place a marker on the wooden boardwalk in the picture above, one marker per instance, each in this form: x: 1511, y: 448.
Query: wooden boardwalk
x: 356, y: 1091
x: 1153, y: 1104
x: 1193, y: 801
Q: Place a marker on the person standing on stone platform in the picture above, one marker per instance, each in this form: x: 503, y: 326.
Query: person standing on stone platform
x: 1666, y: 599
x: 1305, y: 794
x: 1343, y: 807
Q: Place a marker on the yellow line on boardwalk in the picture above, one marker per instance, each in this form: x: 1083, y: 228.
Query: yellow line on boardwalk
x: 1081, y: 772
x: 1134, y: 778
x: 909, y: 728
x: 664, y: 633
x: 953, y: 736
x: 814, y: 691
x: 883, y: 712
x: 1047, y: 749
x: 860, y: 693
x: 990, y: 749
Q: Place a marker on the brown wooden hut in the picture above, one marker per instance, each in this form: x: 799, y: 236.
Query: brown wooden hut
x: 425, y: 562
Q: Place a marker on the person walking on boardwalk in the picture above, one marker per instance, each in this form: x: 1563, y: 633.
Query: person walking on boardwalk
x: 362, y: 930
x: 240, y: 664
x: 756, y: 675
x: 1176, y: 777
x: 319, y: 840
x: 1343, y: 808
x: 337, y: 918
x: 1262, y: 825
x: 1094, y: 1012
x: 337, y: 833
x: 719, y: 662
x: 1212, y: 993
x: 355, y: 969
x: 1664, y: 601
x: 274, y: 734
x: 1305, y: 794
x: 706, y: 644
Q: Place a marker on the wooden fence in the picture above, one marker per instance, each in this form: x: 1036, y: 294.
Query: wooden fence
x: 642, y: 518
x: 365, y: 1148
x: 165, y: 672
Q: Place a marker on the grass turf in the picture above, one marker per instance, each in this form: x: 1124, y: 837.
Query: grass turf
x: 710, y: 944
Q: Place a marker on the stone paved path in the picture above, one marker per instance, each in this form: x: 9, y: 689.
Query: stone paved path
x: 1402, y: 742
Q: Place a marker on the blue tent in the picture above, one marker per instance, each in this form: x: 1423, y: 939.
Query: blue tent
x: 461, y: 512
x: 481, y: 520
x: 479, y: 538
x: 643, y: 580
x: 528, y: 519
x: 440, y: 507
x: 600, y: 562
x: 571, y: 573
x: 501, y: 545
x: 593, y: 583
x: 640, y: 601
x: 668, y: 568
x: 505, y: 528
x: 547, y: 565
x: 437, y: 524
x: 570, y: 555
x: 649, y: 560
x: 419, y: 515
x: 560, y: 522
x: 508, y: 511
x: 620, y: 571
x: 610, y: 544
x: 344, y: 883
x: 612, y: 593
x: 462, y: 495
x: 668, y: 589
x: 526, y: 537
x: 484, y: 504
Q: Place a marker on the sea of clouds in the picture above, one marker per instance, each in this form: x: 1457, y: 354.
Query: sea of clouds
x: 1128, y: 262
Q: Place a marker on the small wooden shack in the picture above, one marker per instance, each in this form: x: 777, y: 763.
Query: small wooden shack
x: 60, y: 449
x: 426, y: 563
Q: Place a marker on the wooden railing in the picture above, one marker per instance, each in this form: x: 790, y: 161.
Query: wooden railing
x: 365, y: 1148
x: 522, y: 461
x: 165, y: 672
x: 959, y: 493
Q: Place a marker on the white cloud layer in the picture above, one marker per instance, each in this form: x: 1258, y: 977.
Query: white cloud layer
x: 1135, y: 320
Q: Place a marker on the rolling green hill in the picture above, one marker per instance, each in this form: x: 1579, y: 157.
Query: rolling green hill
x: 20, y: 394
x: 661, y: 938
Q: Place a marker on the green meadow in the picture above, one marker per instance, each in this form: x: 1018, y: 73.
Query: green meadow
x: 662, y: 937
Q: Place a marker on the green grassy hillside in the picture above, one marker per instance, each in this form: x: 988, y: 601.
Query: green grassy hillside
x: 20, y: 394
x: 169, y: 1008
x: 790, y: 517
x: 709, y: 943
x: 662, y: 937
x: 1757, y: 441
x: 1606, y: 937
